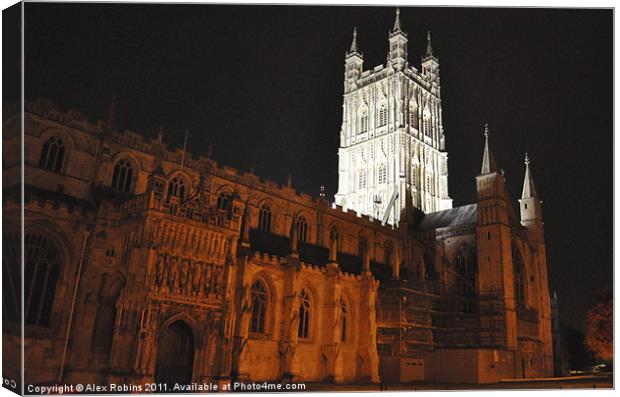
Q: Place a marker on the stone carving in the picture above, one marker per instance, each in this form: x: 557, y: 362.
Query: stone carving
x: 187, y: 277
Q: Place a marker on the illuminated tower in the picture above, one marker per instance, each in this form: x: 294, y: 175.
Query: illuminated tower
x: 392, y: 142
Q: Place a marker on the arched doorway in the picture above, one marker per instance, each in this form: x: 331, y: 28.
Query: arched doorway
x: 175, y: 355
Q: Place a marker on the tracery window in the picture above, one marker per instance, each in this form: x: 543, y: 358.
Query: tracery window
x: 383, y: 115
x: 382, y: 174
x: 302, y: 228
x: 362, y: 179
x: 176, y: 188
x: 122, y: 177
x: 413, y: 117
x: 224, y: 201
x: 259, y: 307
x: 42, y: 266
x: 466, y: 267
x: 364, y: 122
x: 304, y: 315
x: 264, y: 218
x: 52, y: 154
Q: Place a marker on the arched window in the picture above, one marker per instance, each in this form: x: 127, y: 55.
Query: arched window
x: 304, y: 315
x: 389, y: 253
x: 224, y: 201
x: 259, y: 308
x: 343, y: 320
x: 302, y: 228
x: 362, y: 246
x: 176, y: 188
x: 362, y: 181
x: 413, y: 116
x: 122, y: 176
x: 466, y: 267
x: 426, y: 123
x: 364, y: 122
x: 52, y: 154
x: 382, y: 174
x: 264, y: 218
x: 42, y: 266
x: 383, y: 115
x: 519, y: 278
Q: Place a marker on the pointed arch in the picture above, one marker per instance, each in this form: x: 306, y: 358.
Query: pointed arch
x: 382, y: 119
x: 53, y: 154
x: 265, y: 217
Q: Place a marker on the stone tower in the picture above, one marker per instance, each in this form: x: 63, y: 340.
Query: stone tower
x: 392, y: 142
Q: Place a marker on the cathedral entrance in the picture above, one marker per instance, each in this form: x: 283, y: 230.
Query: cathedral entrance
x: 175, y: 355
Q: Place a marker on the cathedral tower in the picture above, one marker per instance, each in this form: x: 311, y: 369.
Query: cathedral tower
x: 392, y: 144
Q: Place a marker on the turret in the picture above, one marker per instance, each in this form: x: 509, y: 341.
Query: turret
x: 397, y: 56
x: 430, y: 64
x: 530, y: 205
x: 353, y: 64
x: 490, y: 187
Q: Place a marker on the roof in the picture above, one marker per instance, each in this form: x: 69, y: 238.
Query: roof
x: 454, y: 217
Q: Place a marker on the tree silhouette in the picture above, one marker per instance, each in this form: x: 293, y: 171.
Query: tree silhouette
x: 599, y: 326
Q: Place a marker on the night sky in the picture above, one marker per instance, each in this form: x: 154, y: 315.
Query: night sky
x: 263, y: 84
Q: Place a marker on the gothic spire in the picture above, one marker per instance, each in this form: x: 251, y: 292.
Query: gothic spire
x: 528, y: 182
x: 488, y: 161
x: 353, y: 48
x: 429, y: 47
x: 397, y: 21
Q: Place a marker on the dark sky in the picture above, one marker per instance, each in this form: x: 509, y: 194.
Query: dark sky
x: 264, y: 85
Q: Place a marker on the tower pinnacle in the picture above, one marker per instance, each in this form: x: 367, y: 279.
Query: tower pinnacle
x: 529, y: 190
x: 397, y: 21
x: 429, y: 47
x: 488, y: 161
x: 353, y: 48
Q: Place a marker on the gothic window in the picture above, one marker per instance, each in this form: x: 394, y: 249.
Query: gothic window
x: 158, y: 188
x: 466, y: 268
x: 383, y: 115
x: 519, y: 278
x: 382, y: 174
x: 362, y: 246
x: 11, y: 278
x: 364, y: 122
x: 302, y: 229
x: 264, y: 218
x: 304, y: 315
x: 426, y: 123
x: 123, y: 176
x: 343, y: 320
x: 176, y: 188
x: 224, y: 201
x: 362, y: 180
x: 259, y: 308
x: 52, y: 154
x: 42, y: 266
x: 413, y: 116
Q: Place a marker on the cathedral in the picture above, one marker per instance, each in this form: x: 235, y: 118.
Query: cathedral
x: 144, y: 264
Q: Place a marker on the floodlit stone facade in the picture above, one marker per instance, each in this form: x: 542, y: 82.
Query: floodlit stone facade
x: 146, y: 264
